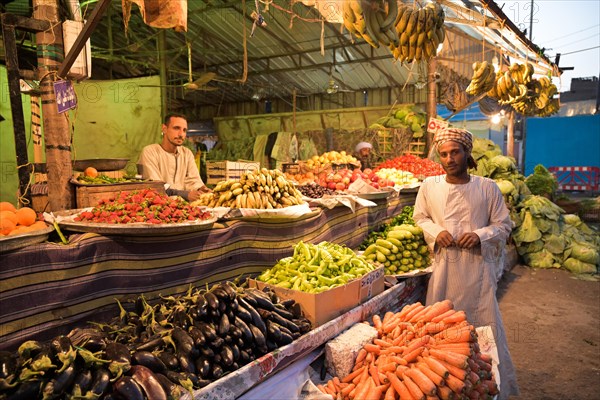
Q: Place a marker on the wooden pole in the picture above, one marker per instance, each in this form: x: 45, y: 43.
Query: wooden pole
x: 163, y: 72
x: 510, y: 135
x: 431, y: 108
x: 56, y: 127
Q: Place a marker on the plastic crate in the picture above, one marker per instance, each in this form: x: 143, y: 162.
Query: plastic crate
x: 217, y: 171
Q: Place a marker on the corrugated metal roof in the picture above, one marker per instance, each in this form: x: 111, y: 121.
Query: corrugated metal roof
x: 286, y: 53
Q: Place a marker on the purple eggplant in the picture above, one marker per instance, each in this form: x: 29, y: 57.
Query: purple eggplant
x: 149, y: 383
x: 128, y: 389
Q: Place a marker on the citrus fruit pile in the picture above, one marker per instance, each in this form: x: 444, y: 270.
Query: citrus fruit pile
x: 15, y: 221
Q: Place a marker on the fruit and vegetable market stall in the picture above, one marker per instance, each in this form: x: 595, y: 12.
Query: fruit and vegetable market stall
x: 75, y: 282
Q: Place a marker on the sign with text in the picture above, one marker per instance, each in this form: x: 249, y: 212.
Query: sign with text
x: 65, y: 96
x: 436, y: 125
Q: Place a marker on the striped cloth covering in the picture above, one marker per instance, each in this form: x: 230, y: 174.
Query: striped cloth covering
x: 49, y: 288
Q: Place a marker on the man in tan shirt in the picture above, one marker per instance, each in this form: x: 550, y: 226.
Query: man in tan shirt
x: 173, y: 163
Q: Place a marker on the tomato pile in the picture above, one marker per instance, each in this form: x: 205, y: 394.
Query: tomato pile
x: 145, y: 205
x: 416, y: 165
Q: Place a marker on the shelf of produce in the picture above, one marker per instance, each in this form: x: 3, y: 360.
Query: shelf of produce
x: 235, y: 384
x: 78, y: 282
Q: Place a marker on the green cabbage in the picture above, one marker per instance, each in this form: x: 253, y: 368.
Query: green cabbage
x: 579, y: 267
x: 555, y: 244
x: 527, y: 232
x: 585, y: 253
x: 532, y: 247
x: 541, y: 182
x: 572, y: 219
x: 541, y: 259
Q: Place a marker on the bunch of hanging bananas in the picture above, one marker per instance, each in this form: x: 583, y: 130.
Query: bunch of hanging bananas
x: 539, y: 100
x: 420, y: 32
x: 525, y: 94
x: 263, y: 189
x: 410, y: 34
x: 373, y: 21
x: 483, y: 80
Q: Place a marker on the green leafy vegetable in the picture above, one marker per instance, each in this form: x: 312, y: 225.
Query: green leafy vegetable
x: 579, y: 267
x: 541, y: 182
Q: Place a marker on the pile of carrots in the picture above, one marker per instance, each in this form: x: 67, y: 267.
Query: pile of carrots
x: 422, y: 352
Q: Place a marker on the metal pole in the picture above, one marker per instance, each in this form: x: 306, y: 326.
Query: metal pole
x: 510, y: 135
x: 531, y: 21
x: 431, y: 99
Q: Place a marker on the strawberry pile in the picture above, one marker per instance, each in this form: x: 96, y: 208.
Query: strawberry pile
x: 415, y: 165
x: 145, y: 205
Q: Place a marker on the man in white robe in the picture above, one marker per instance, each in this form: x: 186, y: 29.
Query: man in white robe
x: 466, y: 224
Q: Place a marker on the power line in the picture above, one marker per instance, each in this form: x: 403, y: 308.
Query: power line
x: 577, y: 41
x: 578, y: 51
x: 573, y: 33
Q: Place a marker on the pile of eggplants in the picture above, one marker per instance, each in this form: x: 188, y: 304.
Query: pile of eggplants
x: 154, y: 352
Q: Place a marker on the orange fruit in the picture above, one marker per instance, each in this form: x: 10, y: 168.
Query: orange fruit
x: 6, y: 226
x: 19, y: 230
x: 9, y: 215
x: 91, y: 172
x: 26, y: 216
x: 6, y: 206
x: 37, y: 225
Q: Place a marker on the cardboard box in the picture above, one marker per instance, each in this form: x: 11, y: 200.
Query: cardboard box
x: 322, y: 307
x: 217, y: 171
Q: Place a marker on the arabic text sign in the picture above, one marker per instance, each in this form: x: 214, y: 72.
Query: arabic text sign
x: 65, y: 96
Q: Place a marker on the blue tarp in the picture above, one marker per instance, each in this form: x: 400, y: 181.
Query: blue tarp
x: 471, y: 113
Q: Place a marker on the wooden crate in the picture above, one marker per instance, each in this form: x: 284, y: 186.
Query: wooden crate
x: 217, y: 171
x: 90, y: 195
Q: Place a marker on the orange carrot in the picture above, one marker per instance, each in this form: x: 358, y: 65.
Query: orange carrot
x: 455, y: 318
x: 440, y: 317
x: 382, y: 343
x: 435, y: 378
x: 377, y: 322
x: 455, y: 384
x: 412, y: 356
x: 321, y: 388
x: 372, y: 348
x: 424, y: 383
x: 462, y: 348
x: 406, y: 309
x: 375, y: 392
x: 400, y: 370
x: 445, y: 393
x: 437, y: 309
x: 331, y: 387
x: 361, y: 355
x: 346, y: 391
x: 369, y: 358
x: 362, y: 377
x: 389, y: 367
x: 413, y: 312
x: 416, y: 343
x: 432, y: 328
x: 436, y: 367
x: 454, y: 370
x: 458, y: 360
x: 363, y: 388
x: 382, y: 359
x: 374, y: 373
x: 459, y: 336
x: 390, y: 394
x: 336, y: 382
x: 387, y: 316
x: 412, y: 387
x: 418, y: 316
x: 353, y: 374
x: 451, y: 331
x: 399, y: 387
x: 393, y: 350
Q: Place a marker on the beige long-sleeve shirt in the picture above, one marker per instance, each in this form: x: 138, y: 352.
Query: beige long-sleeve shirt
x: 178, y: 170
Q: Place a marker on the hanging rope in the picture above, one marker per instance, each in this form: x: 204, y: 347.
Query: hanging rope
x: 245, y: 44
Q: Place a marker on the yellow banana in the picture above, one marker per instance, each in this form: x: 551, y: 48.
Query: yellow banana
x: 412, y: 22
x: 391, y: 16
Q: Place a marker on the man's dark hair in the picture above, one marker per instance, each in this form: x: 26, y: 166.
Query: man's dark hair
x: 173, y: 115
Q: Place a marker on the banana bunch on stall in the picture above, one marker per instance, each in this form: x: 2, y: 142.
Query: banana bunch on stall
x: 260, y: 188
x: 483, y: 80
x: 420, y: 32
x: 525, y: 94
x: 412, y: 34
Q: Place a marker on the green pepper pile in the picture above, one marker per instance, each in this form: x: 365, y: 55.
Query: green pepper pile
x: 317, y: 268
x: 105, y: 179
x: 405, y: 217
